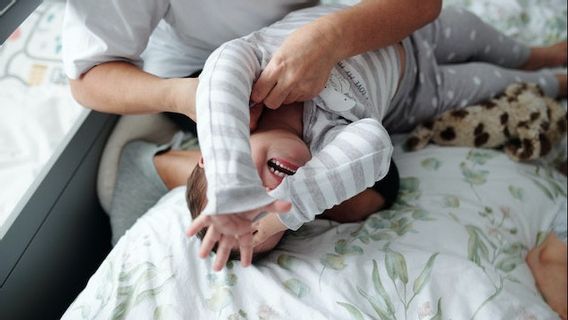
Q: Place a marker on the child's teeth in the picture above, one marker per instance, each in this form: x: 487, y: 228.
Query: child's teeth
x: 272, y: 169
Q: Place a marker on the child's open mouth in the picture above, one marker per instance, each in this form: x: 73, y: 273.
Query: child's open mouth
x: 281, y: 168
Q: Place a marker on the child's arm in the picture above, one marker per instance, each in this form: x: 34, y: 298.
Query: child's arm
x: 235, y: 192
x: 351, y: 162
x: 222, y: 106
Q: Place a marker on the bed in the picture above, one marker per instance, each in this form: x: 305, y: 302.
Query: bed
x: 452, y: 247
x: 451, y: 250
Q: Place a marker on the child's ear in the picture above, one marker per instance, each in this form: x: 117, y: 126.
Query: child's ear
x: 201, y: 164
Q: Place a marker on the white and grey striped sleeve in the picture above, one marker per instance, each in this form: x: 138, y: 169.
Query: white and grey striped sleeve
x: 357, y: 157
x: 222, y: 107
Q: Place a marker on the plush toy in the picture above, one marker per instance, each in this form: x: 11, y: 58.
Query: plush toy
x: 522, y: 120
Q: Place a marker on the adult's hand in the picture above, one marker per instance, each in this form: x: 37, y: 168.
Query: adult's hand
x: 300, y: 68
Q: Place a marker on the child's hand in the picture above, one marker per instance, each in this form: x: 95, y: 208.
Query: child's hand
x: 266, y: 228
x: 230, y: 230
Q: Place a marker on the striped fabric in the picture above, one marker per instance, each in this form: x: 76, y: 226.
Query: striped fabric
x: 350, y: 148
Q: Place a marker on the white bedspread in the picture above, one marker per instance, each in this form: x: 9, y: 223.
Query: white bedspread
x: 453, y: 247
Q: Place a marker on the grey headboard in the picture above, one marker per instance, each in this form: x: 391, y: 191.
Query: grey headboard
x: 12, y: 13
x: 62, y: 234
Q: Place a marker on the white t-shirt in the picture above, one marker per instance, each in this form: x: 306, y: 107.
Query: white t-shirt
x: 168, y: 38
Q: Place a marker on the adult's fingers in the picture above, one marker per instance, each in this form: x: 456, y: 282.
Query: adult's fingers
x: 226, y: 244
x: 279, y: 206
x: 209, y: 241
x: 199, y: 223
x: 277, y: 95
x: 292, y: 97
x: 263, y: 85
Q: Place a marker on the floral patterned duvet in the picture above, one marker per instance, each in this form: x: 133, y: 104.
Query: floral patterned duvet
x: 452, y: 247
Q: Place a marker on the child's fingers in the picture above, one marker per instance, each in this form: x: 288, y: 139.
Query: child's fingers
x: 226, y: 244
x: 199, y: 223
x: 246, y: 249
x: 237, y: 225
x: 279, y: 206
x: 209, y: 241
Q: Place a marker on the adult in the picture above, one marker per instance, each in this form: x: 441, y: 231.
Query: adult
x: 135, y: 56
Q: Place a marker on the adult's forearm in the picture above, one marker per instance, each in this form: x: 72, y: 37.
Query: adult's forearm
x: 374, y: 24
x: 122, y: 88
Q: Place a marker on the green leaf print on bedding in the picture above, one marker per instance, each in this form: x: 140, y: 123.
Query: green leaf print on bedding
x: 424, y: 275
x: 395, y: 265
x: 286, y: 261
x: 137, y: 284
x: 481, y: 157
x: 476, y: 248
x: 220, y: 298
x: 472, y: 176
x: 517, y: 192
x: 544, y: 179
x: 343, y: 247
x: 353, y: 311
x: 432, y: 164
x: 297, y: 288
x: 409, y: 190
x: 451, y: 201
x: 379, y: 288
x: 220, y: 284
x: 333, y: 261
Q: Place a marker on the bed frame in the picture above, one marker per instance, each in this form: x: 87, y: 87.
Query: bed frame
x: 62, y: 234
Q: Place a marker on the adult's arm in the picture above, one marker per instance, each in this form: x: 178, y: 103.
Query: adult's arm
x: 300, y: 68
x: 123, y: 88
x: 102, y: 57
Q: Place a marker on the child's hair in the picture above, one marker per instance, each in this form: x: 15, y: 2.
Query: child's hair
x: 196, y: 195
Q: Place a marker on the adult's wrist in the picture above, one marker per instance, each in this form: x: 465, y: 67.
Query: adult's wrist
x: 331, y: 35
x: 180, y: 96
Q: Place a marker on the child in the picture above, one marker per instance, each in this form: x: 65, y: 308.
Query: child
x: 341, y: 131
x: 267, y: 138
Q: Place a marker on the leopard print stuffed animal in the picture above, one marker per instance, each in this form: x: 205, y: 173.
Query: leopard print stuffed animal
x: 522, y: 120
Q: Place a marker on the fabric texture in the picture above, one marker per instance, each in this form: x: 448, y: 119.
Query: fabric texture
x: 350, y: 148
x: 451, y: 247
x: 168, y: 38
x: 345, y: 119
x: 441, y: 75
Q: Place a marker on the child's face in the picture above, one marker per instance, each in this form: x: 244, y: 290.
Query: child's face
x: 277, y: 147
x: 277, y: 153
